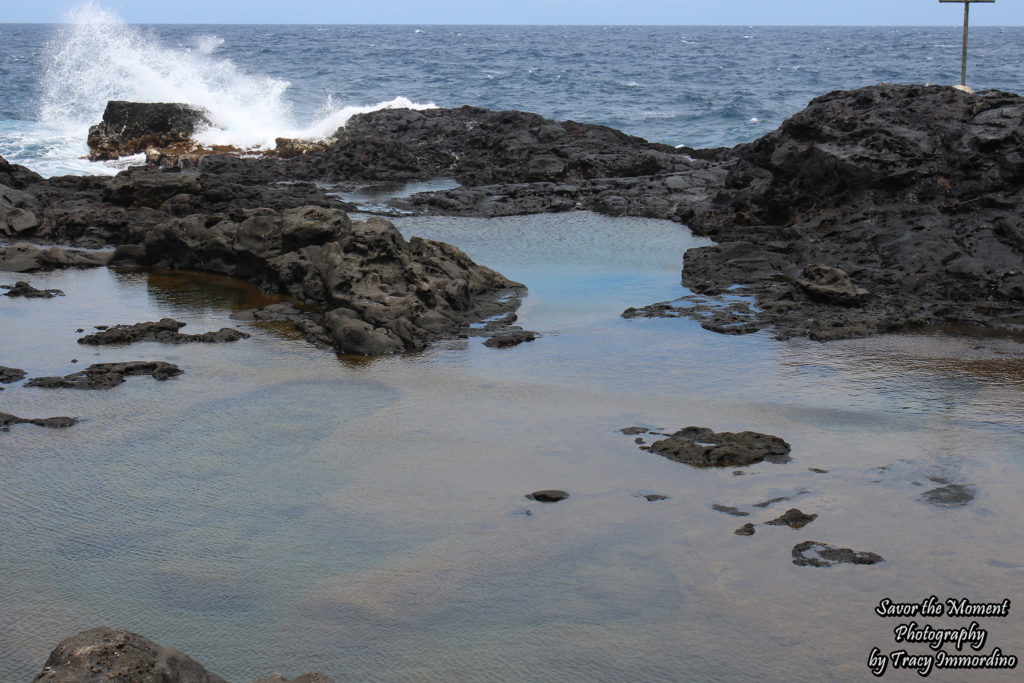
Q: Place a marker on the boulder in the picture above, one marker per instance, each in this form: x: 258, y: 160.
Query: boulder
x: 133, y: 127
x: 105, y: 654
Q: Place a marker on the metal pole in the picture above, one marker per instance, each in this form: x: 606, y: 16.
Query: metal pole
x: 963, y: 55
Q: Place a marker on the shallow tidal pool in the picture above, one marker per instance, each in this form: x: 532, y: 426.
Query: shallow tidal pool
x: 279, y: 509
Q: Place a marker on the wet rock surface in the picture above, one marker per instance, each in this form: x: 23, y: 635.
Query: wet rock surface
x: 817, y: 554
x: 107, y: 375
x: 164, y: 330
x: 132, y: 127
x: 703, y: 447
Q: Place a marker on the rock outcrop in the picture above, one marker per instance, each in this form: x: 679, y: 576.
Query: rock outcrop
x: 878, y: 209
x: 133, y: 127
x: 379, y: 293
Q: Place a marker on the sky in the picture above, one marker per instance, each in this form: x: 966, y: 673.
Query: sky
x: 669, y: 12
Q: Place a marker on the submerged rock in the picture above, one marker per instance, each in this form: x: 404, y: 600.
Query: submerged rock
x: 6, y: 419
x: 106, y: 654
x: 22, y: 288
x: 107, y: 375
x: 548, y: 496
x: 702, y: 447
x: 949, y: 496
x: 164, y: 330
x: 8, y: 375
x: 817, y: 554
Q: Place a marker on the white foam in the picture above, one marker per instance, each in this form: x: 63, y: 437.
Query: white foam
x: 96, y: 57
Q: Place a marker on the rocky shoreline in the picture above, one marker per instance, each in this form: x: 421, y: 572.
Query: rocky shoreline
x: 881, y: 209
x: 886, y: 208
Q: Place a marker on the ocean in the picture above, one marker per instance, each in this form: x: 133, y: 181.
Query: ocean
x: 280, y: 509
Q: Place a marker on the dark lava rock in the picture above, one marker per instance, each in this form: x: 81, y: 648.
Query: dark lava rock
x: 729, y: 510
x: 107, y: 375
x: 133, y: 127
x: 630, y: 431
x: 483, y: 147
x: 105, y: 654
x: 164, y: 330
x: 745, y: 530
x: 503, y: 339
x: 702, y: 447
x: 909, y: 192
x: 381, y: 293
x: 550, y: 496
x: 7, y: 419
x: 8, y: 375
x: 793, y: 518
x: 950, y: 496
x: 817, y: 554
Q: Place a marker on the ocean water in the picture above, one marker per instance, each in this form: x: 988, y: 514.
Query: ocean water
x: 277, y: 508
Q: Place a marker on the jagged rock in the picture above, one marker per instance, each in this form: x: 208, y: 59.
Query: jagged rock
x: 105, y: 654
x: 702, y: 447
x: 107, y: 375
x: 164, y: 330
x: 911, y: 191
x: 133, y: 127
x: 817, y: 554
x: 381, y: 293
x: 745, y: 530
